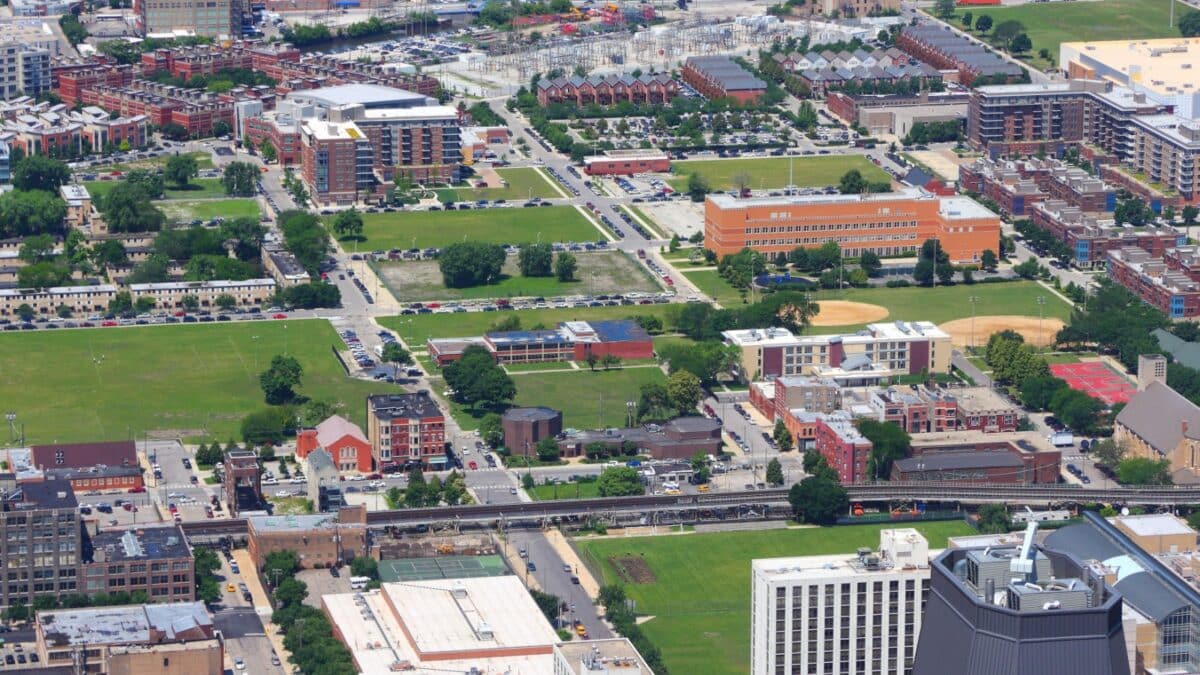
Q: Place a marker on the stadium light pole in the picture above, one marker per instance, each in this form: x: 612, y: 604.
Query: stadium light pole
x: 1041, y: 303
x: 974, y: 300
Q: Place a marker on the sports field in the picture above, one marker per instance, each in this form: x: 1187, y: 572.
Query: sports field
x: 199, y: 188
x: 421, y: 229
x: 946, y: 303
x: 599, y: 273
x: 523, y: 183
x: 441, y: 567
x: 774, y: 172
x: 207, y: 209
x: 1050, y: 23
x: 697, y: 586
x: 415, y: 329
x: 110, y: 383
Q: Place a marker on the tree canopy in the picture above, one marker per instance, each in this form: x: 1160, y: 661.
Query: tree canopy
x: 279, y: 381
x: 471, y: 263
x: 39, y: 172
x: 620, y: 481
x: 818, y: 500
x: 476, y: 378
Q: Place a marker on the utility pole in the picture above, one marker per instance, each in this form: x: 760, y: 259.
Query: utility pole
x: 1041, y: 303
x: 974, y: 300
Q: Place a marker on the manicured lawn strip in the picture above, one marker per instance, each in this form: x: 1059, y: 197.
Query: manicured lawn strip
x: 945, y: 303
x: 114, y: 382
x: 439, y: 229
x: 587, y: 490
x: 417, y: 328
x: 715, y: 287
x: 587, y: 399
x: 523, y: 183
x: 700, y: 598
x: 186, y: 211
x: 1052, y: 23
x: 773, y: 172
x: 534, y: 367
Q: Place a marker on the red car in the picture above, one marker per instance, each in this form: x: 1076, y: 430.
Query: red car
x: 181, y: 313
x: 472, y: 464
x: 137, y: 489
x: 279, y: 316
x: 374, y: 476
x: 108, y: 324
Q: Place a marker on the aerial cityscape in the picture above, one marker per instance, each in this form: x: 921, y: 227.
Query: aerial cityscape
x: 587, y: 337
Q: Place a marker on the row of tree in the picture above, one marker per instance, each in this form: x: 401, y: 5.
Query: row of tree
x: 308, y: 636
x: 432, y: 492
x: 1018, y: 364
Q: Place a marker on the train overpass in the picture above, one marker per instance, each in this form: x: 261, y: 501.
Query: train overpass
x: 747, y: 505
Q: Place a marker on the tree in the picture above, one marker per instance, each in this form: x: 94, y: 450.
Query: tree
x: 783, y: 437
x: 17, y: 611
x: 476, y: 378
x: 943, y: 8
x: 1109, y: 452
x: 591, y: 360
x: 550, y: 604
x: 610, y: 361
x: 683, y: 390
x: 190, y: 302
x: 279, y: 381
x: 535, y: 260
x: 697, y: 187
x: 414, y: 494
x: 109, y: 252
x: 266, y: 427
x: 818, y: 500
x: 396, y: 355
x: 564, y: 267
x: 1190, y: 213
x: 619, y: 481
x: 1005, y: 31
x: 994, y: 519
x: 547, y: 450
x: 221, y: 128
x: 889, y: 442
x: 471, y: 263
x: 37, y: 248
x: 1144, y: 471
x: 983, y: 24
x: 349, y: 223
x: 491, y: 430
x: 1020, y: 43
x: 280, y: 565
x: 654, y: 404
x: 25, y: 312
x: 143, y: 304
x: 225, y: 301
x: 852, y: 182
x: 39, y: 172
x: 988, y: 261
x: 267, y: 149
x: 239, y: 179
x: 181, y: 169
x: 43, y: 275
x: 774, y: 472
x: 966, y: 19
x: 126, y: 209
x: 870, y: 263
x: 1189, y: 24
x: 173, y: 131
x: 29, y: 212
x: 122, y: 303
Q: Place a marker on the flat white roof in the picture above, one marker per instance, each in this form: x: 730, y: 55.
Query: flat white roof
x: 1152, y: 525
x: 759, y: 336
x: 190, y: 285
x: 436, y: 632
x: 807, y: 568
x: 728, y: 201
x: 326, y: 130
x: 444, y: 112
x: 367, y: 94
x: 953, y: 208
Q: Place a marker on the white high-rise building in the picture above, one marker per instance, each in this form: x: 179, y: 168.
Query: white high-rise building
x: 843, y: 614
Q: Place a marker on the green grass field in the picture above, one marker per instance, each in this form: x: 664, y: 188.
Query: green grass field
x: 946, y: 303
x: 714, y: 286
x: 499, y: 226
x: 417, y: 328
x: 1052, y: 23
x: 108, y: 383
x: 203, y: 161
x: 523, y: 183
x: 207, y: 209
x: 773, y: 172
x: 700, y: 599
x: 588, y: 490
x: 587, y: 399
x: 200, y: 188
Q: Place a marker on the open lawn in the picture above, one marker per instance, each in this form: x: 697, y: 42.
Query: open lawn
x: 589, y: 490
x: 1051, y: 23
x: 523, y: 183
x: 166, y: 380
x: 946, y: 303
x: 587, y: 399
x: 700, y: 595
x: 422, y: 229
x: 714, y: 286
x: 200, y: 188
x: 415, y: 329
x: 207, y: 209
x: 203, y: 161
x: 599, y: 273
x: 773, y: 172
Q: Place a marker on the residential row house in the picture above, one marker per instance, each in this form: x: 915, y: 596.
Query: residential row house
x: 1090, y: 236
x: 1167, y: 283
x: 946, y: 49
x: 95, y: 299
x: 1017, y: 185
x: 42, y: 128
x: 608, y: 89
x: 406, y: 430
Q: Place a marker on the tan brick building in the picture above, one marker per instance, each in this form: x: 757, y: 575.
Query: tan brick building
x: 320, y: 540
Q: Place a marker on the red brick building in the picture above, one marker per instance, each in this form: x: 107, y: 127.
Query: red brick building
x: 1013, y: 461
x: 72, y: 82
x: 571, y: 341
x: 1171, y: 290
x: 406, y: 430
x: 720, y: 77
x: 607, y: 90
x: 627, y: 163
x: 814, y: 394
x: 91, y: 466
x: 342, y: 439
x: 839, y: 442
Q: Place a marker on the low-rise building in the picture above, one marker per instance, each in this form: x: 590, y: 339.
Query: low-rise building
x: 1160, y: 423
x: 345, y: 442
x: 1171, y: 291
x: 626, y: 163
x: 322, y: 540
x: 569, y: 341
x: 1090, y: 236
x: 170, y: 294
x: 155, y: 560
x: 680, y: 438
x: 845, y: 449
x: 853, y: 614
x: 773, y: 399
x: 716, y: 77
x: 171, y: 639
x: 944, y: 48
x: 283, y: 266
x: 323, y: 482
x: 1013, y: 458
x: 524, y: 427
x: 406, y: 430
x: 81, y: 300
x: 608, y: 89
x: 103, y: 466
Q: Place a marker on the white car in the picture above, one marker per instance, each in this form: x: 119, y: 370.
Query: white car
x: 296, y: 481
x: 239, y: 663
x: 356, y: 478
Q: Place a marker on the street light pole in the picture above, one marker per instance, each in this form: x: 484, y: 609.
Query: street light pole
x: 1041, y: 303
x: 974, y: 300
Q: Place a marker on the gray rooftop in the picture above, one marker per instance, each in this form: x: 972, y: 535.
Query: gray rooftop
x: 945, y: 461
x: 1147, y: 413
x: 149, y: 543
x: 131, y: 624
x: 531, y: 414
x: 1184, y: 352
x: 369, y: 95
x: 409, y: 406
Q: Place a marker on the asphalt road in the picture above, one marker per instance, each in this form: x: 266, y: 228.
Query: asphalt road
x: 552, y: 578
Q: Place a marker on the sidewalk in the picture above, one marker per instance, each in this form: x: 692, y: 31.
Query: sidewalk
x: 260, y: 601
x: 565, y: 551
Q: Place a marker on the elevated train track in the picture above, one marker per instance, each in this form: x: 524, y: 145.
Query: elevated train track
x: 744, y: 505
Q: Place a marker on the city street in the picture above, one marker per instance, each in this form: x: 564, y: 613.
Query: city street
x: 551, y: 576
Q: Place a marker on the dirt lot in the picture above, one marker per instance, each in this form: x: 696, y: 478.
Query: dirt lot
x: 633, y: 570
x: 844, y: 313
x: 598, y: 273
x: 1038, y: 332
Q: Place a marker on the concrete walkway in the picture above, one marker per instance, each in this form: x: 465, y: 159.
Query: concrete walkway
x: 959, y: 360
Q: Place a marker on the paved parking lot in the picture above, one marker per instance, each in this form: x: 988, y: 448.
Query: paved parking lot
x: 321, y: 582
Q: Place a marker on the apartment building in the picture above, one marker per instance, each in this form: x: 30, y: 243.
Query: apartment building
x: 40, y: 540
x: 322, y: 540
x: 775, y: 397
x: 1170, y: 290
x: 848, y: 614
x: 720, y: 77
x: 845, y: 449
x: 889, y: 224
x: 170, y: 639
x: 155, y: 560
x: 170, y: 294
x: 194, y: 110
x: 870, y: 356
x: 84, y: 300
x: 1017, y: 186
x: 42, y: 128
x: 1091, y: 236
x: 1029, y: 117
x: 406, y: 430
x: 608, y: 89
x: 208, y: 18
x: 27, y: 47
x: 943, y: 48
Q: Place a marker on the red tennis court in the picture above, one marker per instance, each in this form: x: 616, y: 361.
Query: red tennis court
x: 1095, y: 379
